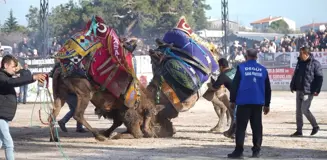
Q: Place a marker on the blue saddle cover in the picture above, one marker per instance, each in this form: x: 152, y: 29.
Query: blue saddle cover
x: 184, y: 42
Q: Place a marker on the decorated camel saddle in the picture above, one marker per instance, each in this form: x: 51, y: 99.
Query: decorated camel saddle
x: 186, y: 65
x: 98, y: 54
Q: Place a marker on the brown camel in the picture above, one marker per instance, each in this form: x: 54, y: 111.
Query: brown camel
x: 110, y: 107
x: 219, y: 97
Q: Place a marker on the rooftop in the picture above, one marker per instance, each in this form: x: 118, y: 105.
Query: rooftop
x: 314, y: 24
x: 265, y: 20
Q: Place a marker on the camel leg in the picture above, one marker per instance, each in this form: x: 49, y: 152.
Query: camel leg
x: 82, y: 103
x: 117, y: 122
x: 147, y: 121
x: 58, y: 104
x: 228, y: 113
x: 220, y: 109
x: 232, y: 128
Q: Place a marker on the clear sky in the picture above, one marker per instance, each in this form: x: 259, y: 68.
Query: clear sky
x: 244, y: 11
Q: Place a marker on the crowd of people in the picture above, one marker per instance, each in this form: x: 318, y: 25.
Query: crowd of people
x: 315, y: 41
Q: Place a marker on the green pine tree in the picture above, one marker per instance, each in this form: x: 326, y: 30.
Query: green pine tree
x: 11, y: 23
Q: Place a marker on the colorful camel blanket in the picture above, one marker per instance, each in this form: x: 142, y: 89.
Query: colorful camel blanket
x: 190, y: 64
x: 180, y: 73
x: 102, y: 59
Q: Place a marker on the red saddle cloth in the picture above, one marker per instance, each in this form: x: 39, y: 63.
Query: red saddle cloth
x: 112, y: 66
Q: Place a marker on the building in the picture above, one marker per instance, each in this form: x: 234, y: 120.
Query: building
x: 216, y: 24
x: 263, y: 24
x: 314, y: 26
x: 211, y: 35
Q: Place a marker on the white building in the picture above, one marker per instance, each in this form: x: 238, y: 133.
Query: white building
x: 212, y: 35
x: 314, y: 26
x: 216, y: 24
x: 265, y: 23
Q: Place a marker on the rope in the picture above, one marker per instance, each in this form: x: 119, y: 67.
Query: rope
x: 47, y: 109
x: 193, y: 42
x: 93, y: 27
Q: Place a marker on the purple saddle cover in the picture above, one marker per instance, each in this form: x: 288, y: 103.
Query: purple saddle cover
x: 182, y: 40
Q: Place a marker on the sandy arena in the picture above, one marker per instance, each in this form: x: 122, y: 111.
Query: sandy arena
x: 192, y: 141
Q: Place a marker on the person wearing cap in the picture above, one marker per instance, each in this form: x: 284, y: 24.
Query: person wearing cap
x: 306, y: 81
x: 250, y: 92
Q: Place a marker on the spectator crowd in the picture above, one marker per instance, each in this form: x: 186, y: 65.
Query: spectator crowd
x: 316, y: 41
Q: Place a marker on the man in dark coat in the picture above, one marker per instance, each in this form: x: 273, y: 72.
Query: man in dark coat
x: 307, y: 81
x: 8, y: 99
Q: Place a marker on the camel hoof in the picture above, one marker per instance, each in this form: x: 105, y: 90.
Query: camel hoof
x: 117, y: 136
x: 148, y: 135
x: 228, y: 135
x: 174, y: 130
x: 100, y: 138
x: 105, y: 133
x: 123, y: 136
x: 54, y: 139
x: 215, y: 129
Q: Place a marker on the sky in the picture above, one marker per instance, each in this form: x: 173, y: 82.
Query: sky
x: 244, y: 11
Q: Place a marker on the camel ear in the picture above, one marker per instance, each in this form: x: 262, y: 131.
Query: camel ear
x: 159, y: 108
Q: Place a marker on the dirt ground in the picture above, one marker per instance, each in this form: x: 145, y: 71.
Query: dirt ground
x: 192, y: 141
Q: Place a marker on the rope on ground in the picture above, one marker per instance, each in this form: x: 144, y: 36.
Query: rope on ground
x: 45, y: 93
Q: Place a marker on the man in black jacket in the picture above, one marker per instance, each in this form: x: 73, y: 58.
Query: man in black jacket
x: 225, y: 78
x: 307, y: 81
x: 8, y: 99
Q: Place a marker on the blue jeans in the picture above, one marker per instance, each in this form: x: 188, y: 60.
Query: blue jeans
x: 6, y: 140
x: 23, y: 94
x: 72, y: 103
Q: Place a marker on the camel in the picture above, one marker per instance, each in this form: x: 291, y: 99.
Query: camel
x: 109, y: 107
x: 219, y: 99
x: 144, y: 117
x: 181, y: 62
x: 97, y: 60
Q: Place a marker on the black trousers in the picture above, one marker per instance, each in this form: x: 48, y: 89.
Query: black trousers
x: 245, y: 113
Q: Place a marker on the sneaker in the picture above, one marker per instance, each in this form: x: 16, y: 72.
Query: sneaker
x: 62, y: 126
x: 315, y: 130
x: 256, y: 154
x: 235, y: 155
x: 297, y: 134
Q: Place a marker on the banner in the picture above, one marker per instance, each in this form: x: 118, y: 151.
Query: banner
x: 275, y: 60
x: 281, y: 65
x: 37, y: 65
x: 320, y: 56
x: 280, y: 76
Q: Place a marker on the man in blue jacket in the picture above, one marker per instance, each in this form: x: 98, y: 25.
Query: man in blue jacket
x: 250, y: 92
x: 307, y: 81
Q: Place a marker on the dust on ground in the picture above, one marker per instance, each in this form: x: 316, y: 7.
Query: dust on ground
x: 192, y: 140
